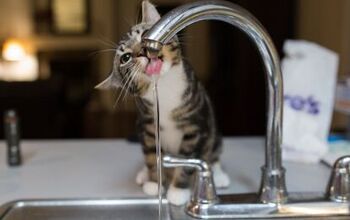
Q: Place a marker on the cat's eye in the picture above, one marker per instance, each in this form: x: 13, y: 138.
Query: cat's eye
x: 125, y: 58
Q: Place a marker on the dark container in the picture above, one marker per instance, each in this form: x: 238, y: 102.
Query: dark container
x: 12, y: 136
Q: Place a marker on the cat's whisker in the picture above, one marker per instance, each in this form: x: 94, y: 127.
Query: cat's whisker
x: 124, y: 89
x: 135, y: 72
x: 184, y: 36
x: 107, y: 42
x: 117, y: 101
x: 118, y: 93
x: 183, y: 43
x: 138, y: 76
x: 123, y: 93
x: 183, y: 39
x: 101, y: 51
x: 124, y: 82
x: 129, y: 79
x: 128, y: 23
x: 126, y: 93
x: 138, y: 18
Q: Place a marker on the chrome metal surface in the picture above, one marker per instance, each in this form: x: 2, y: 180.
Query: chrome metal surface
x: 203, y: 191
x: 300, y: 206
x: 339, y: 183
x: 273, y: 189
x: 122, y: 209
x: 200, y: 165
x: 135, y: 209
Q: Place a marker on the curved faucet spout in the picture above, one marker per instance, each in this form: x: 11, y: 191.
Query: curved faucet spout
x: 273, y: 184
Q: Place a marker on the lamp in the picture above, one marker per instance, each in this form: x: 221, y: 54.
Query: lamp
x: 13, y: 50
x: 17, y: 64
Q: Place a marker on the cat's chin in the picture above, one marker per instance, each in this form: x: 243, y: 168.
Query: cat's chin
x: 154, y: 67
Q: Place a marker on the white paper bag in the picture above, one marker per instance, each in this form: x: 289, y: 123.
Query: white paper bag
x: 309, y: 75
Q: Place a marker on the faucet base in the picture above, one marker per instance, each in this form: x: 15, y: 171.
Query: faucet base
x: 243, y: 206
x: 273, y: 188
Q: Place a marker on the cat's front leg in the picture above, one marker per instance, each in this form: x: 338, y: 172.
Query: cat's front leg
x: 150, y: 187
x: 147, y: 176
x: 178, y: 191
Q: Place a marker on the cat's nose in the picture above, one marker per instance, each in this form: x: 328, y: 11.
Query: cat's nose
x: 142, y: 52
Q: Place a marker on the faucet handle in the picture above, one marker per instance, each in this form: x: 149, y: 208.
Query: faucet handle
x: 339, y: 183
x: 203, y: 189
x: 198, y: 164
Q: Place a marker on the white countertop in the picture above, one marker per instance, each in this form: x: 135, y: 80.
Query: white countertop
x: 107, y: 169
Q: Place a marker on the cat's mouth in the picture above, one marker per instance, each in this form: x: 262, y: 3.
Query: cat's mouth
x: 153, y: 65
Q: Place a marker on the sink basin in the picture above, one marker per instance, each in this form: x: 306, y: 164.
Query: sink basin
x: 109, y: 209
x: 120, y: 209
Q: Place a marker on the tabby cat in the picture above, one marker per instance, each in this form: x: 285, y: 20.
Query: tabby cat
x: 187, y: 122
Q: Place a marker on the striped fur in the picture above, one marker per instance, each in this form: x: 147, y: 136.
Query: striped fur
x: 187, y: 121
x: 191, y: 119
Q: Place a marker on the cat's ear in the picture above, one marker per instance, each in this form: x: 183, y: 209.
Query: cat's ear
x: 107, y: 83
x: 150, y: 14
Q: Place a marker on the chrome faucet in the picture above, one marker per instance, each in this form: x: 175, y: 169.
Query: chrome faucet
x: 273, y: 188
x: 273, y: 199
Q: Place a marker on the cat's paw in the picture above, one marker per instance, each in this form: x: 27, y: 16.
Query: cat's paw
x: 142, y: 176
x: 221, y: 179
x: 150, y: 188
x: 178, y: 196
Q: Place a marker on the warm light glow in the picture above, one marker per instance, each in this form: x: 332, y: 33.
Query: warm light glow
x: 25, y: 69
x: 13, y: 50
x: 17, y: 64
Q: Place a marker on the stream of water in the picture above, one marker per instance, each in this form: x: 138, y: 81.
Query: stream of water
x: 158, y: 147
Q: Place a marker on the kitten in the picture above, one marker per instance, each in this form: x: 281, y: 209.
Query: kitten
x: 187, y: 121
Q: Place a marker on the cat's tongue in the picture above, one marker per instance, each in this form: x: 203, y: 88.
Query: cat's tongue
x: 154, y: 67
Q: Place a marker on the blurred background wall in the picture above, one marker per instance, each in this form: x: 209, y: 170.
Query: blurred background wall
x: 67, y: 51
x: 327, y: 23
